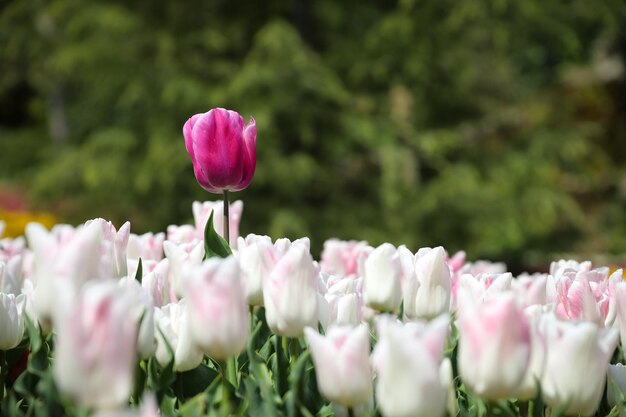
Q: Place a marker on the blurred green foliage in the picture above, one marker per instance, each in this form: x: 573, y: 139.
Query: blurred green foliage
x: 495, y: 126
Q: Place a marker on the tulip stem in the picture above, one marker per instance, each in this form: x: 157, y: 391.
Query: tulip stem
x: 3, y: 372
x: 226, y: 218
x: 225, y: 404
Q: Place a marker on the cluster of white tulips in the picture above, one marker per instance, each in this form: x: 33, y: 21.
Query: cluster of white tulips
x: 389, y: 331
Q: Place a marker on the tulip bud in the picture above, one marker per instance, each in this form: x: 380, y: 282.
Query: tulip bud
x: 11, y: 277
x: 576, y: 365
x: 342, y: 258
x: 11, y: 320
x: 407, y: 362
x: 172, y: 332
x: 576, y: 300
x: 427, y: 283
x: 341, y: 360
x: 202, y: 211
x: 494, y: 346
x: 250, y: 253
x: 148, y: 246
x: 381, y: 286
x: 181, y: 256
x: 95, y: 347
x: 114, y: 243
x: 527, y: 389
x: 290, y: 293
x: 222, y: 149
x: 218, y: 312
x: 143, y: 313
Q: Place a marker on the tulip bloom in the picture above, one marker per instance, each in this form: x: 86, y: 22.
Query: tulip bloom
x: 341, y: 360
x: 290, y: 293
x: 250, y: 252
x: 494, y: 346
x: 576, y: 365
x: 342, y: 258
x: 218, y: 311
x: 382, y: 288
x: 222, y: 149
x: 96, y: 346
x: 407, y: 361
x: 427, y: 283
x: 11, y: 320
x: 202, y: 211
x: 172, y: 328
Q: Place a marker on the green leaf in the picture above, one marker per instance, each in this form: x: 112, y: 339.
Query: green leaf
x: 214, y: 244
x: 325, y: 411
x: 262, y: 381
x: 296, y: 384
x: 191, y: 383
x: 34, y: 334
x: 139, y: 273
x: 194, y: 407
x: 168, y: 406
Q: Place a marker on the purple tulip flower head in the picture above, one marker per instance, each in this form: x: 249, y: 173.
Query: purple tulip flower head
x: 222, y: 149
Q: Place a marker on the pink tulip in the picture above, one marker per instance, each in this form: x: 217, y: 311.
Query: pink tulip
x: 222, y: 149
x: 341, y: 360
x: 494, y: 346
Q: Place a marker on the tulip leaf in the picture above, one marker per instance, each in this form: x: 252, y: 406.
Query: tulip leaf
x: 34, y: 333
x: 296, y: 384
x: 168, y: 406
x: 262, y: 380
x: 326, y: 411
x: 214, y: 244
x: 195, y: 407
x: 191, y: 383
x: 139, y: 273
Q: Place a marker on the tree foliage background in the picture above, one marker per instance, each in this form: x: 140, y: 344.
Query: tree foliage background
x: 495, y: 126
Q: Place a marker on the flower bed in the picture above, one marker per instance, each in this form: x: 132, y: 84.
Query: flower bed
x: 200, y: 321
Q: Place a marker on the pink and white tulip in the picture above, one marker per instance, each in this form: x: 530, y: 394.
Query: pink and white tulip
x: 341, y: 359
x: 290, y: 293
x: 427, y: 282
x: 173, y: 332
x: 576, y: 365
x: 202, y: 211
x: 494, y: 346
x: 95, y: 347
x: 11, y: 320
x: 382, y: 288
x: 342, y: 258
x: 148, y: 246
x: 407, y: 361
x: 218, y: 311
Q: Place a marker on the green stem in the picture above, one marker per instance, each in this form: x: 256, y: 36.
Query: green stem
x: 231, y: 368
x: 3, y: 372
x: 226, y: 218
x: 225, y: 405
x: 251, y: 318
x: 280, y: 371
x: 350, y: 412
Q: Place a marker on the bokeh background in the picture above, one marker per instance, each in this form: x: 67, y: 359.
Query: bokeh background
x: 494, y: 126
